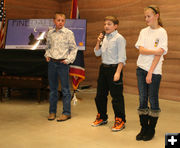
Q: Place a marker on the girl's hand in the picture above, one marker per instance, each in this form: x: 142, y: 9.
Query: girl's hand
x: 149, y: 78
x: 159, y: 51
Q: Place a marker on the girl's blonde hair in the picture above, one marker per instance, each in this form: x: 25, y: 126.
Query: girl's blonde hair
x: 156, y: 10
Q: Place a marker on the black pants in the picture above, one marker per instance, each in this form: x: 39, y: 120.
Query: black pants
x: 106, y: 84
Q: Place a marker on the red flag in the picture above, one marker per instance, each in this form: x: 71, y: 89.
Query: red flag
x: 2, y: 23
x: 74, y: 10
x: 77, y: 70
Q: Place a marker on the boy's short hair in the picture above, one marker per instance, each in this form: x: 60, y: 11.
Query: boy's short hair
x: 59, y: 13
x: 113, y: 19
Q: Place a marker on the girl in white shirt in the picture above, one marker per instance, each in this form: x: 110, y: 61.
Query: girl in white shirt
x: 152, y: 45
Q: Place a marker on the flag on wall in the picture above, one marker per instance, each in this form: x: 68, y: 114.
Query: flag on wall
x: 74, y: 10
x: 2, y: 23
x: 77, y: 70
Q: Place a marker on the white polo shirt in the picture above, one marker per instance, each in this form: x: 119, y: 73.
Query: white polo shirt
x: 152, y: 39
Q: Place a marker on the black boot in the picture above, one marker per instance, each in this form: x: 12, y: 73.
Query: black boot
x: 144, y: 127
x: 151, y: 129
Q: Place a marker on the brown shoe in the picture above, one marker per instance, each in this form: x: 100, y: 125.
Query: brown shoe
x: 63, y: 118
x: 51, y: 116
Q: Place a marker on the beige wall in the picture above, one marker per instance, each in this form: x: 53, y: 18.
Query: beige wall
x: 130, y: 14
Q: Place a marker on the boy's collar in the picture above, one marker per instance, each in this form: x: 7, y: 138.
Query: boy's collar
x: 60, y: 30
x: 112, y: 33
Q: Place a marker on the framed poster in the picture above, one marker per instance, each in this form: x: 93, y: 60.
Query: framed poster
x: 30, y: 33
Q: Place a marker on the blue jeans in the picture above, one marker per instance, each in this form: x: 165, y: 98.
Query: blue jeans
x: 148, y: 91
x: 59, y: 70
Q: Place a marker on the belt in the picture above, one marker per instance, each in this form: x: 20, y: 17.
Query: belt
x: 57, y: 60
x: 109, y: 65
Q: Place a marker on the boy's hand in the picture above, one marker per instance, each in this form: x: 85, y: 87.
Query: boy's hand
x: 116, y: 76
x: 64, y: 62
x: 47, y: 59
x: 100, y: 37
x: 99, y: 40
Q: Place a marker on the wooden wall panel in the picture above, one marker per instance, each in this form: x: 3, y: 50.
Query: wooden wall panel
x: 130, y: 14
x: 25, y: 9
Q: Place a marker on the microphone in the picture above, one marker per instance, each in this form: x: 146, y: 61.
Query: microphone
x: 103, y: 32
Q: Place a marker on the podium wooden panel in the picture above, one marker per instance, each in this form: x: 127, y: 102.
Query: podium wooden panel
x: 23, y: 69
